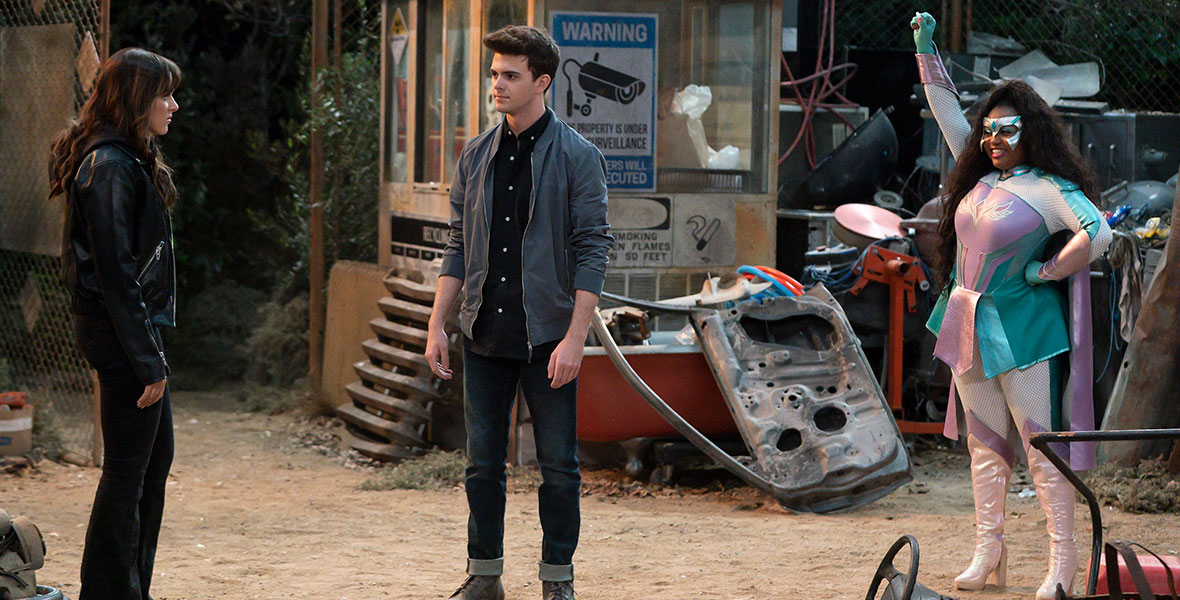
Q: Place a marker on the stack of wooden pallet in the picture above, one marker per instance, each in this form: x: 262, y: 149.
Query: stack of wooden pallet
x: 391, y: 406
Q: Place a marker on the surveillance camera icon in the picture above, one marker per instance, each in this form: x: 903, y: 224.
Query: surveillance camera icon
x: 597, y: 80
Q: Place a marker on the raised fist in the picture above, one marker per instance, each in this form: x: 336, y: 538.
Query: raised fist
x: 923, y: 25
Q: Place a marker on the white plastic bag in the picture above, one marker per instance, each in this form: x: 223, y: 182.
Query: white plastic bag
x: 691, y: 103
x: 692, y: 100
x: 726, y: 158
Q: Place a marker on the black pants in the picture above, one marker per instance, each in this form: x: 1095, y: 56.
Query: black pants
x: 489, y: 386
x: 129, y: 504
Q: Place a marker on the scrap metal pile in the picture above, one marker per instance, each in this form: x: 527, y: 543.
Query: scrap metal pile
x: 819, y: 432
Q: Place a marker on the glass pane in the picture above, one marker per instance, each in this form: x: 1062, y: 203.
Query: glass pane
x: 429, y: 166
x: 709, y: 43
x: 397, y: 70
x: 455, y: 95
x: 496, y: 14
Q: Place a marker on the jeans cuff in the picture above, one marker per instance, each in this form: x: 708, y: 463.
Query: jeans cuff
x: 555, y: 572
x: 490, y: 567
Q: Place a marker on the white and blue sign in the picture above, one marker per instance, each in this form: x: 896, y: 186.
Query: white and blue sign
x: 606, y: 90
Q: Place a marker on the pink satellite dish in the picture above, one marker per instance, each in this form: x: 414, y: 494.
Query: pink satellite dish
x: 862, y: 224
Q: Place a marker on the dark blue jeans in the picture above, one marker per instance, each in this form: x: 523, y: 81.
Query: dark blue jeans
x: 489, y: 386
x: 137, y: 454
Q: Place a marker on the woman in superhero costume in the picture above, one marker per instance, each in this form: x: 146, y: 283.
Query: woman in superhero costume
x: 1001, y: 320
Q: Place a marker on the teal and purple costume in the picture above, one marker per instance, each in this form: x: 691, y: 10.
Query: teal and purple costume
x: 999, y: 309
x: 1003, y: 328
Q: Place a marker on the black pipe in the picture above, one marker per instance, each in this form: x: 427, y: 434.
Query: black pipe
x: 1041, y: 442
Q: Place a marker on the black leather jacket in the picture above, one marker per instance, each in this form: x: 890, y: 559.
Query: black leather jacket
x: 118, y: 256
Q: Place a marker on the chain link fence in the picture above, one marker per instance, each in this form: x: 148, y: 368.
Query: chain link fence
x: 1136, y: 43
x: 49, y: 56
x: 349, y: 118
x: 353, y: 80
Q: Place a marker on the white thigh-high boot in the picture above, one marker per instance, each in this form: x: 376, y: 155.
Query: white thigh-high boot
x: 989, y: 482
x: 1057, y: 500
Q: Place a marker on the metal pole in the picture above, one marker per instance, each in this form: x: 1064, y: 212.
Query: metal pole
x: 967, y: 25
x: 96, y: 447
x: 942, y: 37
x: 319, y: 60
x: 337, y: 34
x: 104, y: 26
x: 956, y: 25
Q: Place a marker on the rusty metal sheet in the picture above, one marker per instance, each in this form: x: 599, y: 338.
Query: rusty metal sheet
x: 805, y: 401
x: 819, y: 431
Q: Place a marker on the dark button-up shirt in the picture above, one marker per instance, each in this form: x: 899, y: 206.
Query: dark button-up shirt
x: 499, y: 329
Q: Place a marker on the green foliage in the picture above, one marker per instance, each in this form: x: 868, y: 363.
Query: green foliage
x: 239, y: 145
x: 438, y: 470
x: 432, y: 471
x: 270, y: 399
x: 348, y: 119
x: 242, y: 83
x: 277, y: 348
x: 243, y: 91
x: 207, y: 350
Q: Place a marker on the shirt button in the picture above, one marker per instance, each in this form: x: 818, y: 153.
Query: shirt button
x: 511, y: 158
x: 507, y: 218
x: 510, y: 188
x: 502, y: 279
x: 504, y: 250
x: 499, y: 310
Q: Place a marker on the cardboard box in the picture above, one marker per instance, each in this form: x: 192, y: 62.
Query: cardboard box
x: 16, y: 431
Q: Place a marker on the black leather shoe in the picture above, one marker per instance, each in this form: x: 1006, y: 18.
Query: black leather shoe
x: 557, y: 590
x: 480, y: 587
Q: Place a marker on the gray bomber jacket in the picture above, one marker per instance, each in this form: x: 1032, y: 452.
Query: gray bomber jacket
x: 566, y: 239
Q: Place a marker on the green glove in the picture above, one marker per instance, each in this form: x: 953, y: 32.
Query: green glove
x: 923, y: 25
x: 1032, y: 273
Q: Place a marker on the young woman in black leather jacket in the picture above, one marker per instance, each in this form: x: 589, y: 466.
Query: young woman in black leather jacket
x: 117, y: 259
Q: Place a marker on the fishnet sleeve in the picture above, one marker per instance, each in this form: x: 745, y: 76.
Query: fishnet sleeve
x: 944, y: 104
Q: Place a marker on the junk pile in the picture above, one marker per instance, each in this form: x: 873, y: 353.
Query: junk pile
x: 855, y: 170
x: 1053, y: 82
x: 1146, y: 382
x: 818, y: 433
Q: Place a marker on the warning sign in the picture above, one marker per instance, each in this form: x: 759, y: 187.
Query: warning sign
x: 642, y: 228
x: 662, y: 232
x: 398, y: 36
x: 606, y: 89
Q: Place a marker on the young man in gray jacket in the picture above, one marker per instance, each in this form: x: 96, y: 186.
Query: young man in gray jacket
x: 528, y: 250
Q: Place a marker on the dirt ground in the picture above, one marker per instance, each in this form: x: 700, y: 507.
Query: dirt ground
x: 254, y: 512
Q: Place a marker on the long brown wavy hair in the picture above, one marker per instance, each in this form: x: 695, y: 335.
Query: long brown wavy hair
x: 1047, y: 147
x: 128, y: 83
